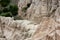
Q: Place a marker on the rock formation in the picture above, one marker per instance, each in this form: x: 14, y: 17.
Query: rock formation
x: 10, y: 29
x: 41, y: 21
x: 35, y: 10
x: 16, y: 29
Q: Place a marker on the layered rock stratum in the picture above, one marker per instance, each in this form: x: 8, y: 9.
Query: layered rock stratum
x: 41, y: 21
x: 35, y: 10
x: 10, y: 29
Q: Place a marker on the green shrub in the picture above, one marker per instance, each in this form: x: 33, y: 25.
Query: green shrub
x: 0, y: 11
x: 5, y: 10
x: 4, y: 3
x: 8, y: 14
x: 9, y: 10
x: 13, y: 9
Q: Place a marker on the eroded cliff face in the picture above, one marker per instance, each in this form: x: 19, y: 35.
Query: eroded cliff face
x: 41, y: 21
x: 16, y: 29
x: 35, y: 10
x: 10, y: 29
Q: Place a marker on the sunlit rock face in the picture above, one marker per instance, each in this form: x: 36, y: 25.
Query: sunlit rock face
x: 41, y: 21
x: 35, y: 10
x: 16, y: 29
x: 10, y: 29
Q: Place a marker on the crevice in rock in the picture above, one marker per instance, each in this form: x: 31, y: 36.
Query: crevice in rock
x: 49, y: 14
x: 24, y: 9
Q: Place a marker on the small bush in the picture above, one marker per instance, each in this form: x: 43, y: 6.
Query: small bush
x: 9, y: 10
x: 5, y: 10
x: 8, y: 14
x: 13, y: 9
x: 0, y: 11
x: 4, y: 3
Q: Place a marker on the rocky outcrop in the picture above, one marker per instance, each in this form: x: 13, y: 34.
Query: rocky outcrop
x: 41, y: 21
x: 16, y: 29
x: 35, y: 10
x: 10, y: 29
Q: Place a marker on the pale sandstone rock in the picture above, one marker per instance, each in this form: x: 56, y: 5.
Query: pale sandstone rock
x: 10, y: 29
x: 37, y: 9
x: 57, y: 15
x: 16, y: 29
x: 44, y: 12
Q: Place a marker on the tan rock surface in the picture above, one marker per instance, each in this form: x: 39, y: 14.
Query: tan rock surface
x: 16, y: 29
x: 41, y: 21
x: 37, y: 9
x: 10, y: 29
